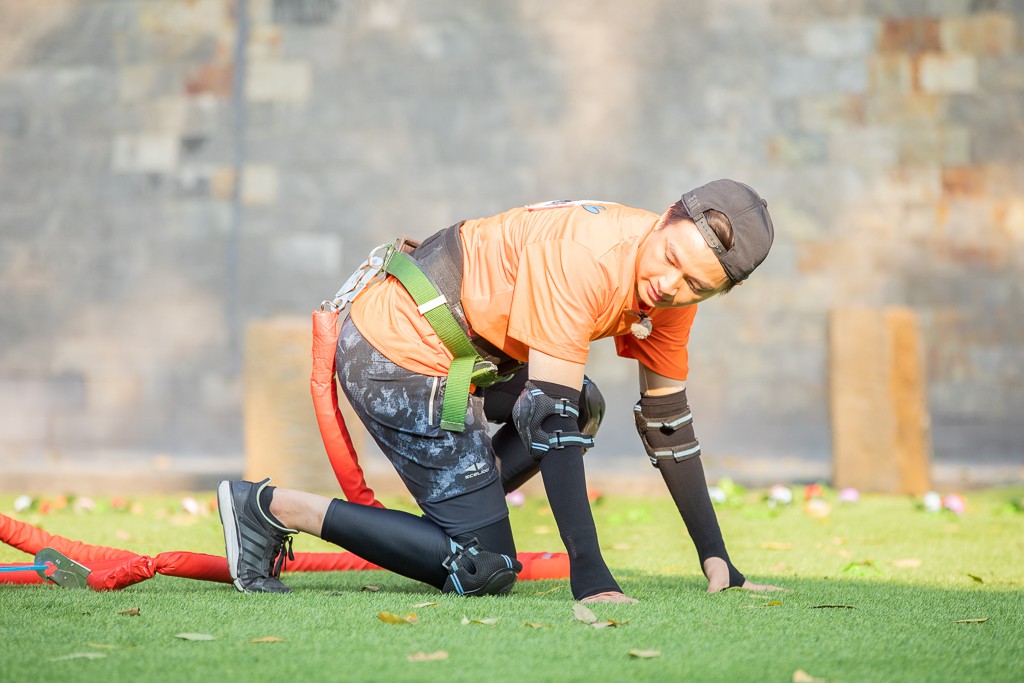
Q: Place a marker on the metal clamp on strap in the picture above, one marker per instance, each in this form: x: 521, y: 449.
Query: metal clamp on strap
x: 467, y: 366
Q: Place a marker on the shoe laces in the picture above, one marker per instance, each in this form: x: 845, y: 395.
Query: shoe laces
x: 283, y: 550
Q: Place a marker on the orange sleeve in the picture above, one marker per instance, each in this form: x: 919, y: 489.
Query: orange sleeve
x: 664, y: 351
x: 560, y: 291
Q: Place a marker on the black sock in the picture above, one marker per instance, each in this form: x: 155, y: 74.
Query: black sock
x: 398, y: 541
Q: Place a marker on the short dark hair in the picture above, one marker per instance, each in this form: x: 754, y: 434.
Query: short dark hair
x: 718, y: 222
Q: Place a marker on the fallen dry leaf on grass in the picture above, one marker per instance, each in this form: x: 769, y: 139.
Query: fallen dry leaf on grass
x: 424, y: 604
x: 771, y: 603
x: 801, y: 676
x: 389, y: 618
x: 833, y: 607
x: 267, y: 639
x: 610, y: 623
x: 428, y: 656
x: 776, y: 546
x: 533, y: 625
x: 979, y: 620
x: 133, y: 612
x: 861, y: 567
x: 582, y: 613
x: 550, y: 590
x: 371, y: 589
x: 978, y: 579
x: 488, y: 621
x: 644, y: 654
x: 194, y: 636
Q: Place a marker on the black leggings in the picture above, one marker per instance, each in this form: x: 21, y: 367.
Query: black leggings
x: 403, y: 543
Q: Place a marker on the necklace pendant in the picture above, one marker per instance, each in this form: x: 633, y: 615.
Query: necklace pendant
x: 642, y: 328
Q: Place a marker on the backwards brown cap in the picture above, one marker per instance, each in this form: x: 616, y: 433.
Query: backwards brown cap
x: 751, y: 225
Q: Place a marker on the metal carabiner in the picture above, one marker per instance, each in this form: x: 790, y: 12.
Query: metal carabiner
x: 371, y: 268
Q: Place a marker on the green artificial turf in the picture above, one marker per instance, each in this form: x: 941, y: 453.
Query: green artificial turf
x: 876, y: 591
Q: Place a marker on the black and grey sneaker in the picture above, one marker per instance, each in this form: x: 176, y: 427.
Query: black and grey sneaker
x: 256, y: 547
x: 475, y: 571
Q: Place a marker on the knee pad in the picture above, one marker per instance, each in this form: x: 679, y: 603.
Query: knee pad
x: 665, y: 425
x: 592, y: 407
x: 475, y: 571
x: 530, y: 412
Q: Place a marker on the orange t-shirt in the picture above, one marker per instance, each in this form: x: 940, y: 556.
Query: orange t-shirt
x: 552, y: 276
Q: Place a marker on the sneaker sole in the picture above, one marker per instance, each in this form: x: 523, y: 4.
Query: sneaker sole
x: 231, y: 543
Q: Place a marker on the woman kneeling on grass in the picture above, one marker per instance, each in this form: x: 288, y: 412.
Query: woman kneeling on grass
x: 516, y: 300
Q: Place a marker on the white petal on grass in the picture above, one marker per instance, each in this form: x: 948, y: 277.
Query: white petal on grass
x: 581, y: 612
x: 79, y: 655
x: 195, y: 636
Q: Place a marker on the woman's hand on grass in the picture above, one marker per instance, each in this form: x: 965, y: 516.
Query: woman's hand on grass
x: 609, y: 596
x: 717, y: 572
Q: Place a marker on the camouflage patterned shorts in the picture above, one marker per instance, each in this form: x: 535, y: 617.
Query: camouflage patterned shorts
x: 402, y: 411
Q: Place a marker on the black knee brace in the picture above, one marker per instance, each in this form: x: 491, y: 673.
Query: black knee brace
x: 475, y: 571
x: 665, y: 425
x: 592, y: 408
x: 534, y: 407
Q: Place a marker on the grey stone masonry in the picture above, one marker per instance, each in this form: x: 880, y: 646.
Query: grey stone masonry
x: 153, y: 203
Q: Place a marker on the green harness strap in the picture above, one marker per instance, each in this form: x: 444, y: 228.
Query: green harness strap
x: 467, y: 366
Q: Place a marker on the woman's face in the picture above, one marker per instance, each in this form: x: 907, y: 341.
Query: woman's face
x: 675, y: 267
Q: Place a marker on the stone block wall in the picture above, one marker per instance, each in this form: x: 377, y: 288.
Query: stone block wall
x: 161, y: 187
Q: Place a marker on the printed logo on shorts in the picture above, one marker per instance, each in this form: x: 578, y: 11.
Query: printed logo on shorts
x: 476, y: 469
